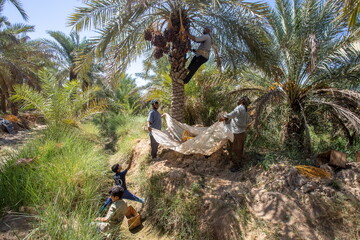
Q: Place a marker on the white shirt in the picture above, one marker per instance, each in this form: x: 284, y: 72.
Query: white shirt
x: 239, y: 119
x: 205, y: 45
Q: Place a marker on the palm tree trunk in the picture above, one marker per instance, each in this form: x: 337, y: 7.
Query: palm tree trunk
x: 14, y: 109
x: 178, y: 74
x: 295, y: 129
x: 177, y: 58
x: 2, y: 102
x: 73, y: 74
x: 13, y: 106
x: 4, y: 94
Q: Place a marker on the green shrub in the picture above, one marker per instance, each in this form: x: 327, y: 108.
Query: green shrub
x: 108, y: 122
x: 326, y: 141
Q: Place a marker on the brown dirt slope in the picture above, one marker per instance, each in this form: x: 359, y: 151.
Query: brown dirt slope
x: 255, y: 204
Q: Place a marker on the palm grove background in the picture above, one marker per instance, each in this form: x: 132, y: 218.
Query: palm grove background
x: 298, y: 62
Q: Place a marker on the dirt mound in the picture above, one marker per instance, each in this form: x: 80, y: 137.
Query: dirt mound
x: 280, y: 203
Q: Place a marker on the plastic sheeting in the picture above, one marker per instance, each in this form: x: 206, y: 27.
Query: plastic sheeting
x: 8, y: 125
x: 205, y: 140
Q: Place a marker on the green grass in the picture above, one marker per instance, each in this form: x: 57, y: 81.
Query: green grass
x: 63, y: 184
x: 174, y: 212
x: 108, y: 122
x: 129, y: 132
x: 326, y: 141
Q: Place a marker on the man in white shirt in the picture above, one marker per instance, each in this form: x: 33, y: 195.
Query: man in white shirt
x: 202, y: 53
x: 239, y: 120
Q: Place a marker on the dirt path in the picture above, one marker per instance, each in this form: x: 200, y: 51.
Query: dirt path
x: 11, y: 142
x: 13, y: 225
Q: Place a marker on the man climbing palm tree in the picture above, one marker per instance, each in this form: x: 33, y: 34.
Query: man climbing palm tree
x: 202, y: 53
x: 163, y: 23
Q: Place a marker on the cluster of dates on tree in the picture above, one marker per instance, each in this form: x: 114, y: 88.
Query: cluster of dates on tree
x: 173, y: 38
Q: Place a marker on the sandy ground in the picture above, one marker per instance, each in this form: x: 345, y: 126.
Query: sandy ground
x: 279, y: 203
x: 11, y: 142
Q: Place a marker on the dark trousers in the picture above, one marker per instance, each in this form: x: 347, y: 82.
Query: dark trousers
x: 237, y: 149
x: 154, y: 147
x: 196, y: 62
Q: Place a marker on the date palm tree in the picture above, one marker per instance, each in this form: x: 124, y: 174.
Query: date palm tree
x: 315, y: 67
x: 123, y: 95
x: 69, y: 50
x: 122, y: 24
x: 61, y: 105
x: 20, y: 59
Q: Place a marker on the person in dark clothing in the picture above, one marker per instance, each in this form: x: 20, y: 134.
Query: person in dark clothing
x: 202, y: 53
x: 154, y: 121
x: 120, y: 180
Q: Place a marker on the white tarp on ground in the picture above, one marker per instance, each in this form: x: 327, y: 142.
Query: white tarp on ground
x: 206, y: 140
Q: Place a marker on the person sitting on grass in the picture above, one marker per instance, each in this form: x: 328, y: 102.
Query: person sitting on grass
x: 115, y: 215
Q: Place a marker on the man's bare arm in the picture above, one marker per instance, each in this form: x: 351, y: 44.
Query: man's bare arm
x: 129, y: 166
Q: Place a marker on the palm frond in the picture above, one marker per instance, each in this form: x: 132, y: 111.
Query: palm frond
x: 29, y: 98
x: 94, y: 14
x: 340, y: 93
x: 271, y: 97
x: 94, y: 107
x: 343, y: 63
x: 18, y: 5
x: 345, y: 113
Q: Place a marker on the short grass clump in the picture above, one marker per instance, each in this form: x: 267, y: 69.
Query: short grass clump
x: 174, y: 212
x: 62, y: 184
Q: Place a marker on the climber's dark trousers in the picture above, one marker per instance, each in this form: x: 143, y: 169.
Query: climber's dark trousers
x: 196, y: 62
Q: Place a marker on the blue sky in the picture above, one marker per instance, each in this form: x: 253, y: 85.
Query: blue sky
x: 53, y: 15
x: 44, y: 15
x: 48, y: 15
